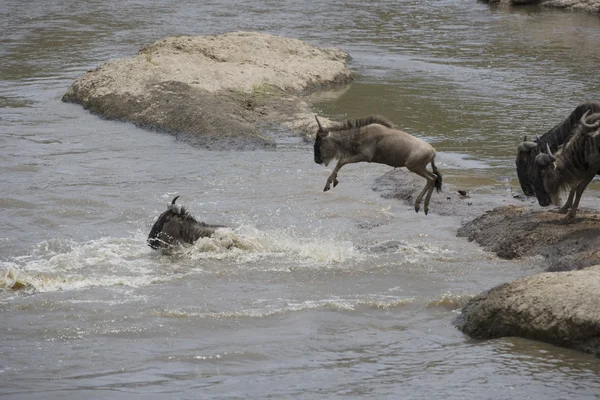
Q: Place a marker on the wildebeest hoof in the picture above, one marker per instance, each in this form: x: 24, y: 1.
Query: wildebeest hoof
x: 327, y: 187
x: 417, y: 208
x: 426, y: 210
x: 335, y: 182
x: 570, y: 217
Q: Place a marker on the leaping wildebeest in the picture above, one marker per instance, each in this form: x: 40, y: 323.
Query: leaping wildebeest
x: 375, y: 140
x: 177, y: 226
x: 527, y: 169
x: 574, y: 165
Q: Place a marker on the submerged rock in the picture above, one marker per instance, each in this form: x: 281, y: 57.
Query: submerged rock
x: 214, y: 91
x: 559, y: 308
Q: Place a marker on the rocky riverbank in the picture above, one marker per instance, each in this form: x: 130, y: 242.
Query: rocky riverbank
x: 555, y: 307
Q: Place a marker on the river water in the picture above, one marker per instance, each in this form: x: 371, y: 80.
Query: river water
x: 306, y: 294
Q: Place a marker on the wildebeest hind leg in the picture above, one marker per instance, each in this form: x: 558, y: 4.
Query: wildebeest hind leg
x: 428, y: 186
x: 428, y: 197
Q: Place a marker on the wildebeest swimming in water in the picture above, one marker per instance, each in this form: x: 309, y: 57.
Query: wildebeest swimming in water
x: 574, y: 165
x: 177, y: 226
x: 527, y: 170
x: 375, y: 140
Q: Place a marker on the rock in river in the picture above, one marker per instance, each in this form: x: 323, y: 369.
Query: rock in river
x: 215, y: 91
x: 554, y: 307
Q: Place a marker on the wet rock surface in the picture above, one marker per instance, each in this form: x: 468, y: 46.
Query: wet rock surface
x: 520, y: 231
x: 559, y: 308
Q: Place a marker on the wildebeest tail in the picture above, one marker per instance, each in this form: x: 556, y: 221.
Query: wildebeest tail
x: 438, y: 177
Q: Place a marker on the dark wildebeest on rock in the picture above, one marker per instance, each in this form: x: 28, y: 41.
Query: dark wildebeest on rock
x: 574, y: 165
x: 177, y: 226
x: 527, y: 170
x: 375, y: 140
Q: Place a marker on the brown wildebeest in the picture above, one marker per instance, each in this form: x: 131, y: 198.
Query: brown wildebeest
x: 375, y: 140
x: 176, y: 226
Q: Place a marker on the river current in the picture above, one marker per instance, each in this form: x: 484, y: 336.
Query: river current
x: 305, y: 294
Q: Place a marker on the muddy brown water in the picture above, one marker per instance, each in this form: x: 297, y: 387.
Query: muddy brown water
x: 344, y: 294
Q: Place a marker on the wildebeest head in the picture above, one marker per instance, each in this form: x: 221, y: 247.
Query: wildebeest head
x: 527, y: 152
x: 324, y: 149
x: 543, y: 161
x: 155, y: 238
x: 177, y: 226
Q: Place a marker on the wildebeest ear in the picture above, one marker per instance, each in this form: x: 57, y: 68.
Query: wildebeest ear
x: 527, y: 146
x: 543, y: 160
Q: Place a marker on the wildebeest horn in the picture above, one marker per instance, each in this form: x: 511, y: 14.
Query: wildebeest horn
x: 550, y: 152
x: 318, y: 123
x: 174, y: 200
x: 589, y: 126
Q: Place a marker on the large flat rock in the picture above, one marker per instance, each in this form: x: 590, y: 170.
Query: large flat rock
x: 216, y: 91
x: 559, y: 308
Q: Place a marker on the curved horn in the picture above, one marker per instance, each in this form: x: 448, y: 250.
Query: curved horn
x: 318, y: 123
x: 589, y: 126
x: 174, y: 200
x: 550, y: 152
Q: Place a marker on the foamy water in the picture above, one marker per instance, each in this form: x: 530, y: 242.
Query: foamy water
x: 57, y: 265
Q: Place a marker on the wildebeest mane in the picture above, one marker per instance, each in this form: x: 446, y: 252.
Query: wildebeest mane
x: 352, y: 124
x: 561, y: 132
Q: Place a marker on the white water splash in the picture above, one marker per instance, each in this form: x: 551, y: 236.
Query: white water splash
x: 247, y: 244
x: 56, y: 265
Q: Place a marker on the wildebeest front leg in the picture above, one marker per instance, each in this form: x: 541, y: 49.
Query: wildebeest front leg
x: 349, y: 160
x: 579, y: 191
x: 565, y: 208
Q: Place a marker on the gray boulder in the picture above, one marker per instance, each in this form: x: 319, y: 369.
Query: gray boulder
x: 555, y: 307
